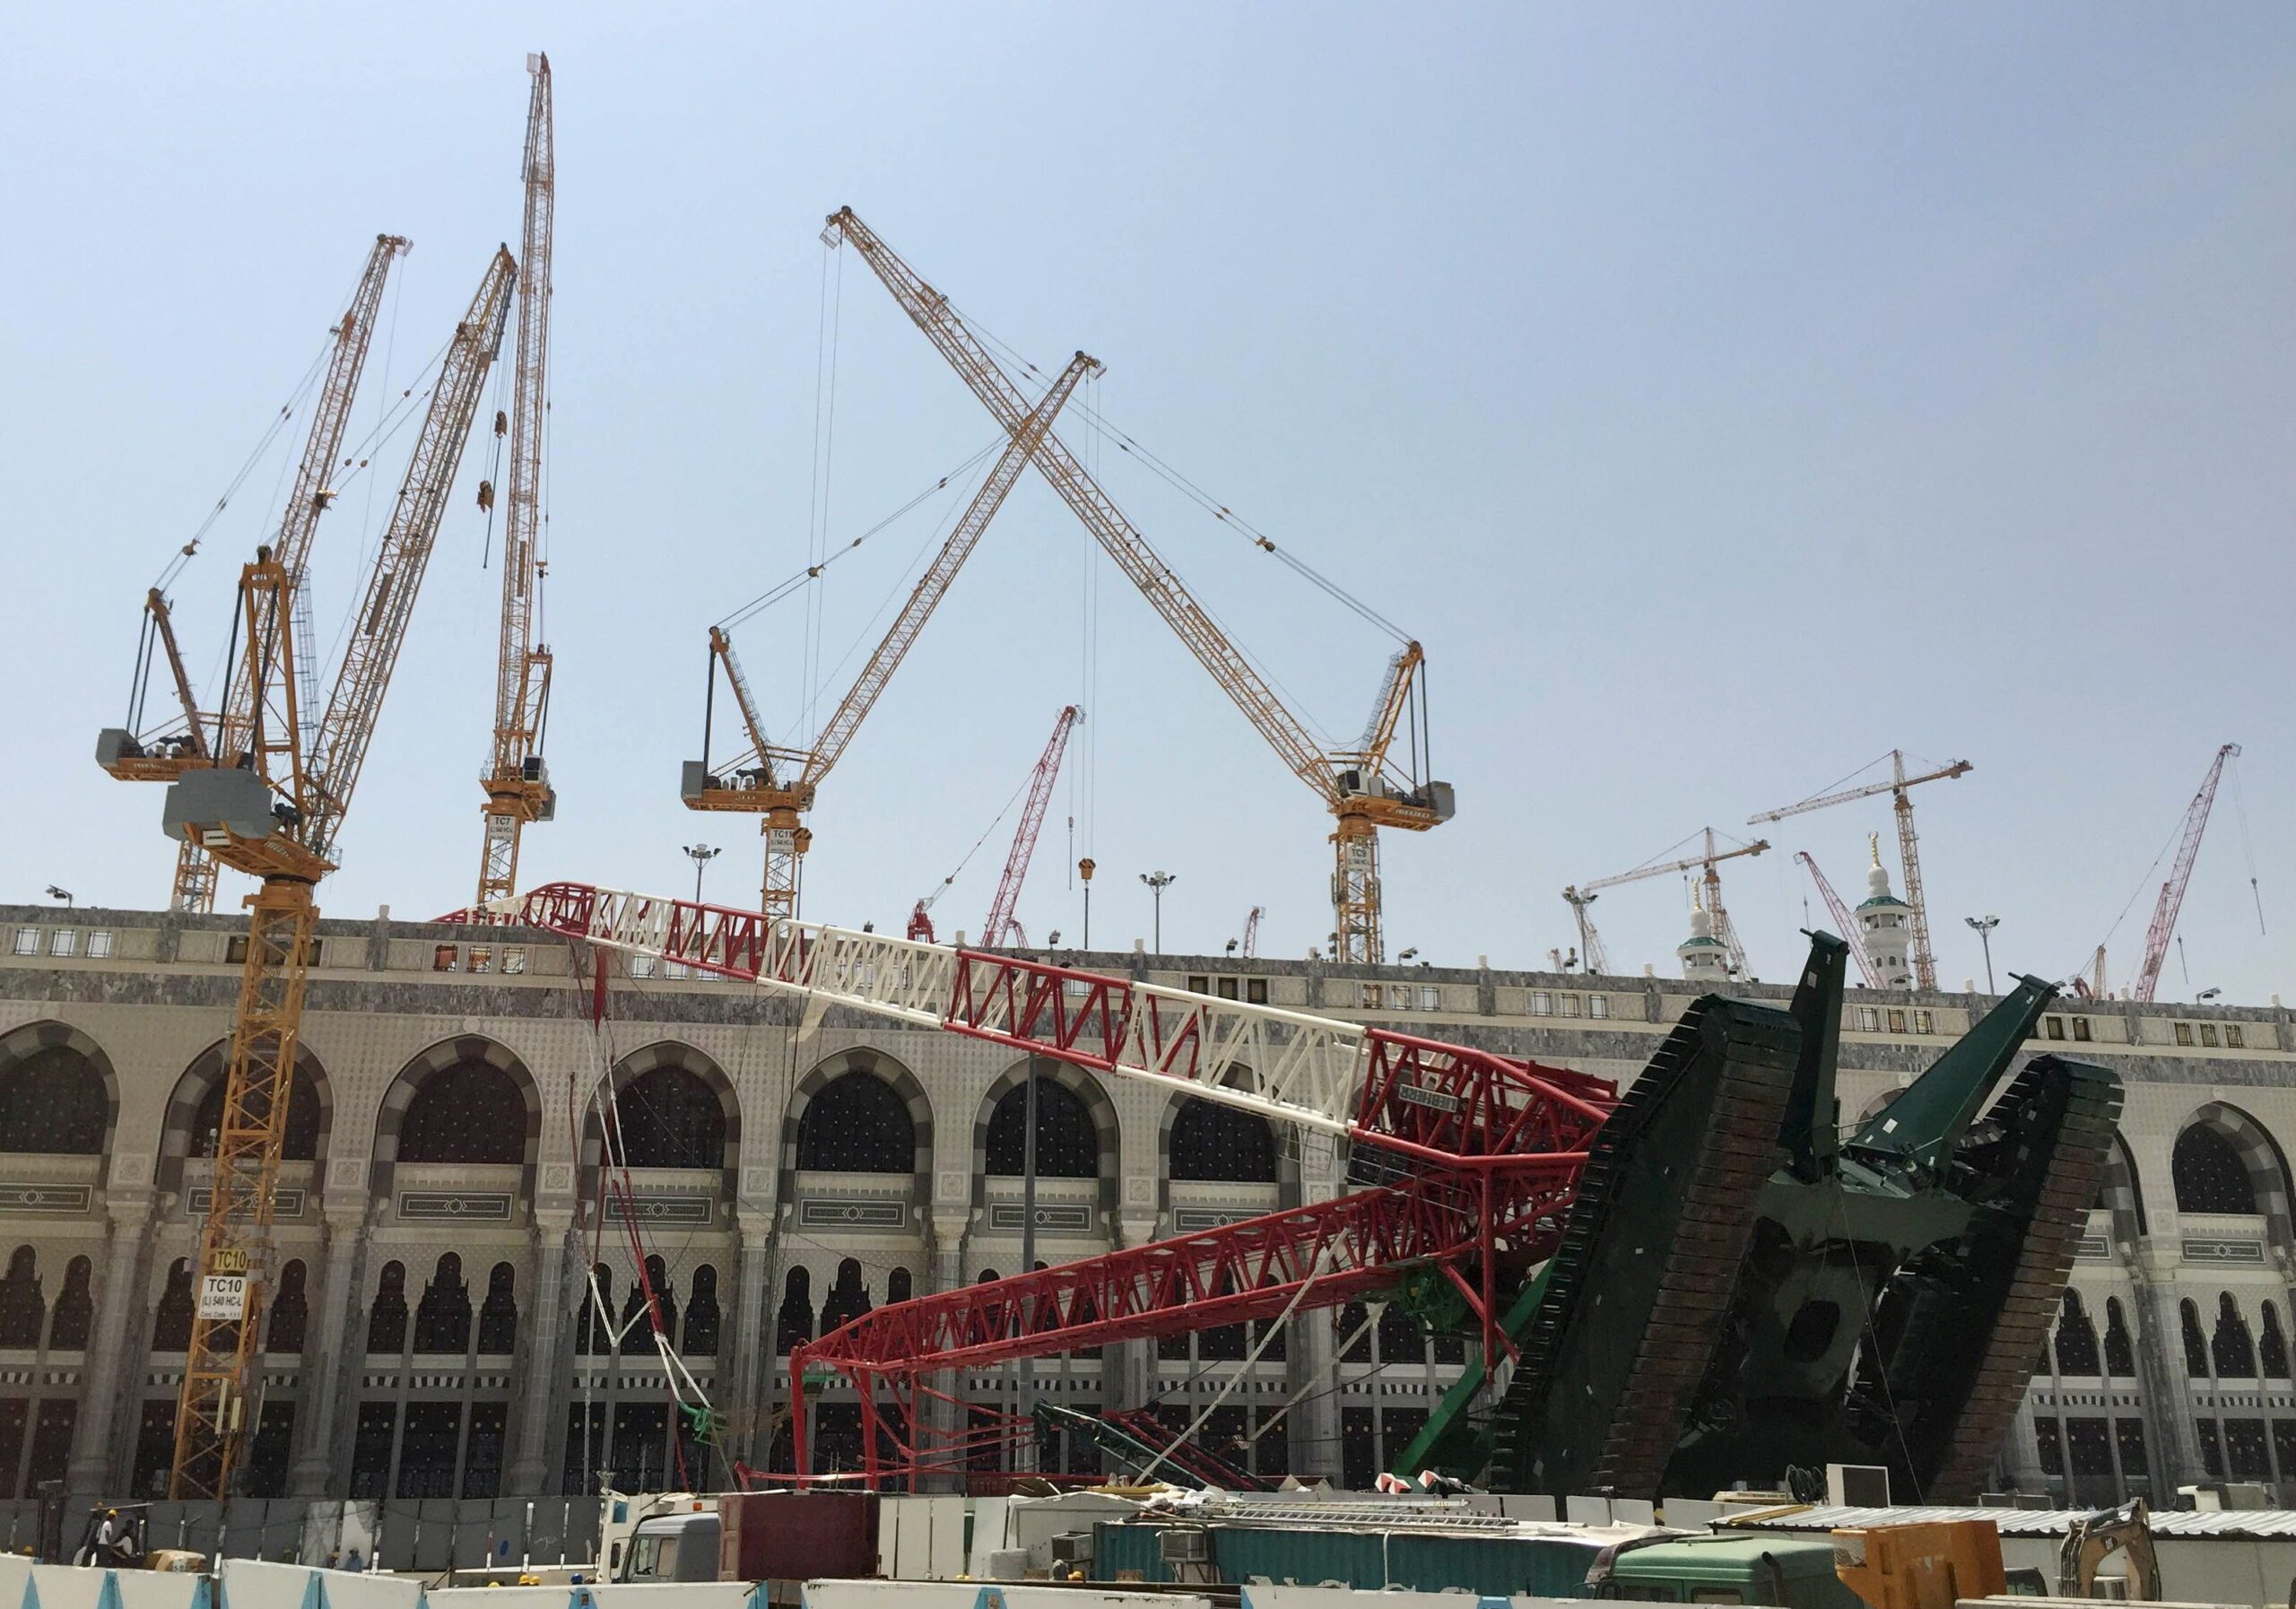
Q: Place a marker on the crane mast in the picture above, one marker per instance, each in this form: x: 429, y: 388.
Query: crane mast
x: 782, y: 784
x: 516, y: 781
x: 1579, y: 896
x: 1354, y: 787
x: 1251, y: 932
x: 1925, y: 961
x: 2172, y: 892
x: 1844, y: 923
x: 119, y: 752
x: 276, y: 817
x: 1024, y: 837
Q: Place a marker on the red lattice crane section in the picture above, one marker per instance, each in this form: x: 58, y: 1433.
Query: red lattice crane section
x: 1000, y: 923
x: 2172, y: 892
x: 1476, y: 1156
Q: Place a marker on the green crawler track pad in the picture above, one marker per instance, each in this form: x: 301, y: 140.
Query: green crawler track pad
x: 1638, y: 1292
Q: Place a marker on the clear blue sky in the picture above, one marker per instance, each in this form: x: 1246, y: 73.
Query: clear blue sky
x: 1723, y: 395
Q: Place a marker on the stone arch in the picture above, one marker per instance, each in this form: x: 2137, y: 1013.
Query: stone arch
x: 876, y: 1064
x: 2117, y: 1192
x: 1085, y: 1089
x: 645, y: 1083
x: 2217, y: 1139
x: 515, y: 1133
x: 198, y: 1097
x: 54, y: 1077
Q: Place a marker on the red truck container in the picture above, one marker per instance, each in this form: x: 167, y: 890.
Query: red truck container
x: 796, y: 1535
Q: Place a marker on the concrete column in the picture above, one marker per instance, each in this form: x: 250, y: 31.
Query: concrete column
x: 947, y: 1264
x: 119, y: 1319
x: 747, y: 1343
x: 326, y: 1354
x: 540, y: 1405
x: 1128, y: 1368
x: 2171, y: 1447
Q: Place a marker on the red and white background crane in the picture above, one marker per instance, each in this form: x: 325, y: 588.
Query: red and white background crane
x: 1477, y: 1156
x: 1595, y: 961
x: 2172, y: 892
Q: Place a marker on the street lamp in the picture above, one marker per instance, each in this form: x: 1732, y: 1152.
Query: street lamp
x: 1158, y: 882
x: 2208, y: 994
x: 1985, y: 926
x: 64, y: 894
x: 1407, y: 954
x: 702, y: 856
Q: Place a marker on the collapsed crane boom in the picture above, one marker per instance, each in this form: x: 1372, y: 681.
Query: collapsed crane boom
x: 1024, y: 836
x: 2172, y: 892
x: 1352, y: 787
x: 516, y: 781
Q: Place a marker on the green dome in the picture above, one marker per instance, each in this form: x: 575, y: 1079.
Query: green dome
x: 1890, y: 902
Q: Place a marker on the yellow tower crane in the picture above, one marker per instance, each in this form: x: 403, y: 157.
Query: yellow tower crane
x: 778, y: 782
x: 1925, y: 962
x: 272, y: 807
x: 516, y: 781
x: 1356, y: 784
x: 133, y: 756
x: 1579, y: 896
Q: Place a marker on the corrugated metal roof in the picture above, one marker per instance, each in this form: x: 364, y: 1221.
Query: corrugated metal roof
x: 2246, y: 1523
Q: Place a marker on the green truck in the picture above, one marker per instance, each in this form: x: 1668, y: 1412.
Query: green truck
x: 1792, y: 1573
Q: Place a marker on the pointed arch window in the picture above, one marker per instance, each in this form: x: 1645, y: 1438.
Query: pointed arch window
x: 849, y: 1298
x: 593, y: 1335
x: 172, y: 1319
x: 2210, y: 1173
x: 53, y: 1103
x: 2121, y: 1351
x: 442, y: 1318
x: 75, y: 1308
x: 498, y: 1319
x: 857, y: 1124
x: 701, y: 1317
x: 290, y: 1312
x: 387, y: 1320
x: 302, y: 1142
x: 473, y: 1112
x: 22, y: 1312
x: 2273, y: 1348
x: 2077, y: 1339
x: 670, y: 1118
x: 794, y: 1325
x: 2196, y: 1343
x: 1068, y: 1142
x: 2232, y: 1347
x: 1217, y: 1143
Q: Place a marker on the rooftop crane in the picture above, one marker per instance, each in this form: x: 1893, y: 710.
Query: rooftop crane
x: 778, y: 782
x: 516, y: 781
x: 1844, y: 923
x: 274, y: 810
x: 1001, y: 928
x: 1251, y: 932
x: 1579, y: 896
x: 129, y: 754
x: 1356, y: 784
x: 2172, y: 892
x: 1925, y: 961
x: 2090, y: 985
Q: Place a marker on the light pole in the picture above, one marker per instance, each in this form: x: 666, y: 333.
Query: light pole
x: 1985, y: 926
x: 1158, y: 882
x: 2208, y: 994
x: 64, y: 894
x: 702, y: 856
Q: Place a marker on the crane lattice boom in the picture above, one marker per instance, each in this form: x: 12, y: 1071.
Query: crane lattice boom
x: 516, y: 782
x: 2172, y: 892
x: 1024, y: 837
x: 276, y: 818
x: 782, y: 792
x: 1579, y: 896
x: 1844, y: 923
x: 1352, y: 787
x: 1924, y: 960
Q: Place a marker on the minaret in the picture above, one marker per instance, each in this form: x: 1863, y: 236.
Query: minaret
x: 1704, y: 958
x: 1887, y: 922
